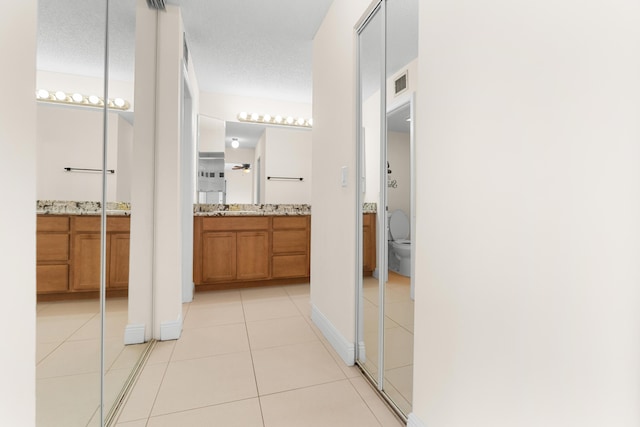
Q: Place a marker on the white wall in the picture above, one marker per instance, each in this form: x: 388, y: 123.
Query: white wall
x: 72, y: 137
x: 528, y: 233
x: 334, y: 209
x: 211, y: 134
x: 239, y: 183
x: 156, y: 217
x: 289, y: 154
x: 17, y: 225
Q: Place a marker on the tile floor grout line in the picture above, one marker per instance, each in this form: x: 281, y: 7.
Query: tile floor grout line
x: 253, y: 367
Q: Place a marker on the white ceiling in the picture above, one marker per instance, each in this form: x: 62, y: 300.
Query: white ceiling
x: 243, y: 47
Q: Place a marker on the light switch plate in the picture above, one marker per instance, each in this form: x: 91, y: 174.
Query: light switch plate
x: 343, y: 177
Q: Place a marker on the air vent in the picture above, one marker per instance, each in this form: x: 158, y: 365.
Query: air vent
x: 400, y: 83
x: 156, y: 4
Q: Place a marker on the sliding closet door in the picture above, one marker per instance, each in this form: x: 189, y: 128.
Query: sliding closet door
x: 371, y: 205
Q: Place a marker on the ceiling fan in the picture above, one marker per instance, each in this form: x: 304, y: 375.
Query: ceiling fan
x: 245, y: 167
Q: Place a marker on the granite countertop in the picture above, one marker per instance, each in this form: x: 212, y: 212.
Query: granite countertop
x: 68, y: 207
x: 250, y: 210
x: 369, y: 207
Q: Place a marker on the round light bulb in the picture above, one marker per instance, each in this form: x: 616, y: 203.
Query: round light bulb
x: 60, y: 95
x: 266, y: 118
x: 243, y: 116
x: 278, y: 119
x: 77, y: 97
x: 42, y: 94
x: 94, y: 100
x: 255, y: 117
x: 119, y: 102
x: 300, y: 121
x: 289, y: 120
x: 310, y: 122
x: 246, y: 170
x: 235, y: 143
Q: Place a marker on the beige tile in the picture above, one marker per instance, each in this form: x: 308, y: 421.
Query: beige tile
x: 398, y: 348
x: 293, y: 366
x: 195, y: 383
x: 129, y: 356
x: 69, y: 308
x: 162, y: 352
x: 381, y: 411
x: 263, y: 293
x: 298, y: 290
x: 120, y: 304
x: 269, y: 308
x: 71, y: 358
x: 140, y: 401
x: 114, y: 381
x: 243, y: 413
x: 211, y: 341
x: 43, y: 349
x: 215, y: 297
x: 214, y: 314
x: 67, y: 401
x: 138, y: 423
x: 349, y: 371
x: 303, y: 304
x: 401, y: 312
x: 397, y: 398
x: 115, y: 323
x: 59, y: 328
x: 277, y: 332
x: 402, y: 381
x: 335, y: 404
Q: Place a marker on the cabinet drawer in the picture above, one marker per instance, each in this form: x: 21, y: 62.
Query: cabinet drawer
x: 52, y: 247
x: 290, y: 266
x: 235, y: 223
x: 287, y: 241
x: 52, y: 223
x: 52, y: 278
x: 88, y: 224
x: 280, y: 222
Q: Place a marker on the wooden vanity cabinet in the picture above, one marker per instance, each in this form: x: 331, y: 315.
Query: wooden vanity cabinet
x: 52, y: 254
x: 368, y: 243
x: 291, y: 237
x: 68, y: 261
x: 237, y: 251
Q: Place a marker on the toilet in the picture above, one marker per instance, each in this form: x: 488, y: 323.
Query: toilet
x: 399, y: 245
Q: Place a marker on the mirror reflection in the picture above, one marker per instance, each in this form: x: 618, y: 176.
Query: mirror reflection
x: 70, y: 135
x: 387, y: 193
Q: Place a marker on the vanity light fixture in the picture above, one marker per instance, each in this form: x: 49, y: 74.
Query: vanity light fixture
x: 61, y: 97
x: 268, y: 119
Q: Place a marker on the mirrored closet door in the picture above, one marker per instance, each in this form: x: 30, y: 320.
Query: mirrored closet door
x: 83, y: 164
x: 387, y: 65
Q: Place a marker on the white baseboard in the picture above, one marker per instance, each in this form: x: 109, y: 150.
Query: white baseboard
x: 344, y: 348
x: 171, y: 330
x: 134, y: 333
x: 413, y: 421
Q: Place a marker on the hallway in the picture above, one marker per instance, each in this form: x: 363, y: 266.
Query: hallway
x: 251, y: 357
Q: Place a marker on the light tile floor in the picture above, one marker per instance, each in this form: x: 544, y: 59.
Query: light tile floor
x: 251, y: 357
x: 68, y: 360
x: 398, y: 328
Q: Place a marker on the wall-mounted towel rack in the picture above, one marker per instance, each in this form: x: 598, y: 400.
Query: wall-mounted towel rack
x: 284, y: 178
x: 88, y: 170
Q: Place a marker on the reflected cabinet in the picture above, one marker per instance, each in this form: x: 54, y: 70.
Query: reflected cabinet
x: 68, y: 256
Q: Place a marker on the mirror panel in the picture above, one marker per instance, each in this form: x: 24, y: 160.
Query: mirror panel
x: 70, y: 338
x: 370, y: 107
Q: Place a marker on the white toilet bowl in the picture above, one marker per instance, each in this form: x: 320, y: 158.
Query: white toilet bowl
x: 399, y: 245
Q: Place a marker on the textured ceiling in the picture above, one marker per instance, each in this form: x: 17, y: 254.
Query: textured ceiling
x: 242, y: 47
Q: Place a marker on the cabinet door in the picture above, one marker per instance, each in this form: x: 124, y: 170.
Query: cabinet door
x: 118, y: 260
x: 52, y: 278
x: 253, y: 255
x: 86, y: 262
x: 218, y: 256
x: 369, y: 243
